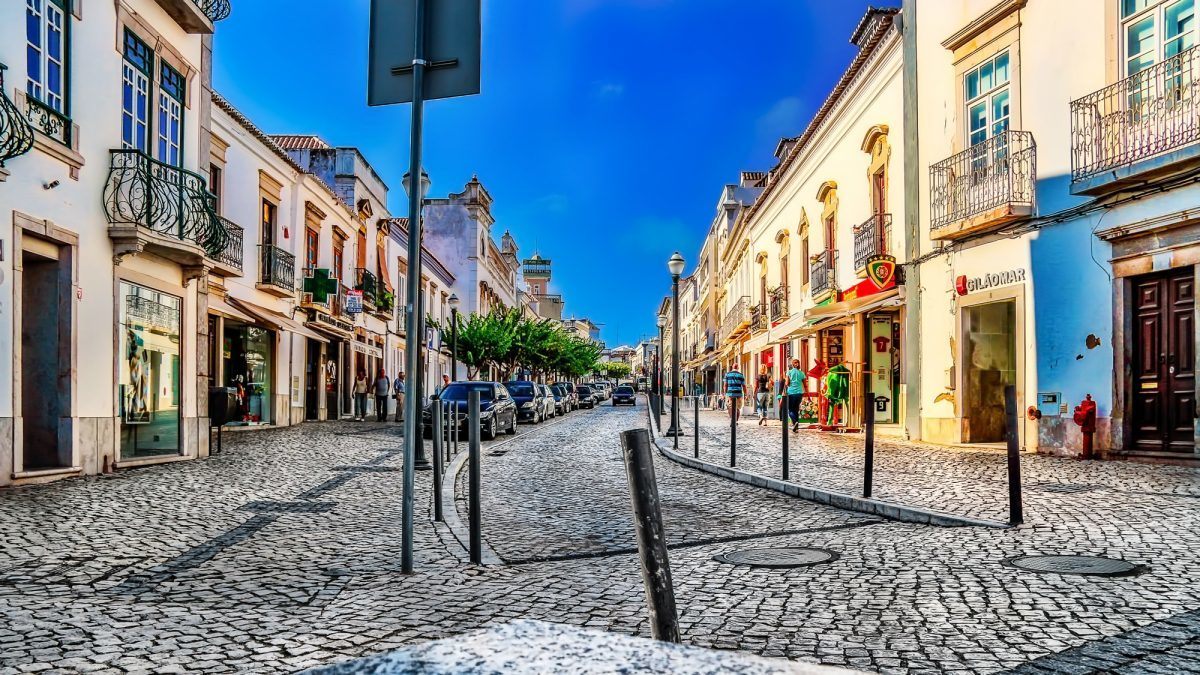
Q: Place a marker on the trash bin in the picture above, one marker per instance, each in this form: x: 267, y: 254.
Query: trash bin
x: 222, y: 408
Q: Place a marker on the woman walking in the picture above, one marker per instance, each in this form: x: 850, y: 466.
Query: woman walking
x: 795, y: 393
x: 361, y: 386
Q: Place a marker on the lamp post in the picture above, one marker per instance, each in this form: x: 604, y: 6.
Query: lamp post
x: 658, y: 358
x: 453, y: 302
x: 675, y: 267
x: 414, y: 332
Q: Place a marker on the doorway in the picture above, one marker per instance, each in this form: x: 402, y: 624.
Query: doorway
x: 989, y: 365
x: 312, y: 379
x: 42, y: 340
x: 1163, y: 369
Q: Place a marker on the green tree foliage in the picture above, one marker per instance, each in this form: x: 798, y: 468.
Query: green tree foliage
x: 615, y: 370
x: 505, y: 339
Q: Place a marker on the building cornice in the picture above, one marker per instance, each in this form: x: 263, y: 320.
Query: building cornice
x: 983, y: 22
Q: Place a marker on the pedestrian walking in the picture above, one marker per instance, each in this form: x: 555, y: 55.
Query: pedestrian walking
x: 382, y: 386
x: 442, y: 387
x: 795, y: 393
x: 361, y: 387
x: 735, y: 388
x: 398, y: 394
x: 762, y: 395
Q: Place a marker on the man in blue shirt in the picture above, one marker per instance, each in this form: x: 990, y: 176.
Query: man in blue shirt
x: 735, y: 389
x: 795, y: 393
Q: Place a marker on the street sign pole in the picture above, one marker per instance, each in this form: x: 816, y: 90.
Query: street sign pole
x: 412, y: 341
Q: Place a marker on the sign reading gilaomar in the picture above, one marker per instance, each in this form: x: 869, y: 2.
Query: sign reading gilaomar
x: 965, y: 285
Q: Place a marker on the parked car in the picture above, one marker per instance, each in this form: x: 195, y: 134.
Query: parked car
x: 531, y: 402
x: 572, y: 395
x: 643, y: 383
x: 605, y: 389
x: 550, y: 409
x: 562, y: 401
x: 587, y: 397
x: 497, y: 411
x: 624, y: 394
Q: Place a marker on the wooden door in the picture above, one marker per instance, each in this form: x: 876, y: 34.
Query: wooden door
x: 1164, y: 377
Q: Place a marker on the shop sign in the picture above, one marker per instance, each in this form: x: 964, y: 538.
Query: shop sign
x: 366, y: 349
x: 354, y: 302
x: 964, y: 284
x: 881, y: 271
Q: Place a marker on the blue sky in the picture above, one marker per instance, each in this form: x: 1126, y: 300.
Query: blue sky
x: 604, y: 131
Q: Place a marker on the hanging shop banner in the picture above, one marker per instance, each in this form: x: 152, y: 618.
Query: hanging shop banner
x: 368, y: 350
x: 354, y: 302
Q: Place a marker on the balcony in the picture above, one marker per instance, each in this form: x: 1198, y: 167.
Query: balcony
x: 758, y: 317
x: 710, y: 340
x: 778, y: 303
x: 1143, y: 126
x: 871, y: 239
x: 49, y: 121
x: 988, y: 185
x: 197, y: 16
x: 162, y: 209
x: 385, y: 303
x: 16, y: 134
x: 736, y: 319
x: 229, y: 259
x: 821, y: 273
x: 276, y: 271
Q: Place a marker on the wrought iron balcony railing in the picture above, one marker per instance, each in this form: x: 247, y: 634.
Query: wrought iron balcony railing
x: 998, y: 172
x: 16, y: 134
x: 737, y: 316
x: 48, y: 120
x: 165, y: 199
x: 710, y: 340
x: 758, y: 317
x: 1144, y: 115
x: 779, y: 303
x: 337, y: 304
x: 215, y: 10
x: 366, y: 282
x: 276, y: 267
x: 872, y: 238
x: 821, y: 272
x: 231, y: 254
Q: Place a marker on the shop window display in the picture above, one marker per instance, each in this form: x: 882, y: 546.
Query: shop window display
x: 248, y: 354
x: 149, y: 371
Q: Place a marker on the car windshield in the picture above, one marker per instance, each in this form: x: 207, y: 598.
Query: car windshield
x: 583, y: 390
x: 458, y: 391
x: 520, y: 388
x: 624, y: 390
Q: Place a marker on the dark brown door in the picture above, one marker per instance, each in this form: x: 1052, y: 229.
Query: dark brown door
x: 1164, y: 375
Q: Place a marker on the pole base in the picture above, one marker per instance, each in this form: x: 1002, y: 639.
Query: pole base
x: 672, y: 432
x: 422, y: 464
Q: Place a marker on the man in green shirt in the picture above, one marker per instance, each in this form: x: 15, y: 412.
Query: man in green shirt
x: 795, y: 393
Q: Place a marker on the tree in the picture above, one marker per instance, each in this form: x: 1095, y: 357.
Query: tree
x: 615, y: 370
x: 483, y: 340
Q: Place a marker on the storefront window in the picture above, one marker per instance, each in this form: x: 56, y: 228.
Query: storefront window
x: 248, y: 352
x: 149, y: 371
x: 991, y: 365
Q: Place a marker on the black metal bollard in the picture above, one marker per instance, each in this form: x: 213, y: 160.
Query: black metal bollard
x: 783, y: 423
x: 651, y: 540
x: 696, y: 425
x: 869, y: 434
x: 1016, y: 512
x: 437, y: 462
x: 732, y: 434
x: 473, y: 479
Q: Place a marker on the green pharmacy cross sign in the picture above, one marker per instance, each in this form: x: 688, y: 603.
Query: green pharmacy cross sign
x: 321, y: 285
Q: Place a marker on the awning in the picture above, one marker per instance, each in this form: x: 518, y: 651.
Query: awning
x: 845, y: 308
x: 217, y: 305
x: 277, y: 320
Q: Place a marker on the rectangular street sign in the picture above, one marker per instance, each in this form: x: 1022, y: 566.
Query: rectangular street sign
x: 453, y: 36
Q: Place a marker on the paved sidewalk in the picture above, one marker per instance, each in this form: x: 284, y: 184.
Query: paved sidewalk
x: 965, y: 482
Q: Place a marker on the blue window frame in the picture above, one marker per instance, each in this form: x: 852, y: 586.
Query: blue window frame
x: 46, y: 52
x: 136, y: 67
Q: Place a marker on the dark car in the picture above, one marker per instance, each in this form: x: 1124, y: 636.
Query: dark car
x: 624, y: 394
x: 497, y: 411
x: 587, y: 398
x: 530, y: 400
x: 572, y: 395
x: 562, y: 402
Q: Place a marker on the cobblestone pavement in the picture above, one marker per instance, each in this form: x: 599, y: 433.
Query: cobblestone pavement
x: 282, y: 553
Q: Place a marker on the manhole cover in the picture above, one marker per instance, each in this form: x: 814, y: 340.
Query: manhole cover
x: 1075, y: 564
x: 777, y: 557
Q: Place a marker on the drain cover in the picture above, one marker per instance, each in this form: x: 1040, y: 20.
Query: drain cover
x: 1075, y: 564
x: 777, y: 557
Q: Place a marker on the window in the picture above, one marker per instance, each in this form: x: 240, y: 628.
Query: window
x: 135, y: 93
x: 269, y: 214
x: 45, y: 49
x: 312, y: 241
x: 830, y: 235
x: 804, y: 261
x: 1155, y: 30
x: 170, y: 115
x: 986, y: 93
x: 215, y: 180
x: 150, y: 371
x: 339, y: 246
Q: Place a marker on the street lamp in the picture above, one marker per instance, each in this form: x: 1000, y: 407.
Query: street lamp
x: 675, y: 267
x: 658, y: 356
x: 453, y: 302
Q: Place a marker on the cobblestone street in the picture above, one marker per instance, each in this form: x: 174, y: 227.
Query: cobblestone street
x: 283, y: 553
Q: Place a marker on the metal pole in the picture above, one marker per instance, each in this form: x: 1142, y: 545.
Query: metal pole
x: 675, y: 430
x: 412, y: 410
x: 696, y: 424
x: 869, y: 434
x: 651, y: 540
x: 732, y: 436
x: 1016, y: 512
x: 784, y: 409
x: 473, y: 481
x: 454, y: 344
x: 437, y: 461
